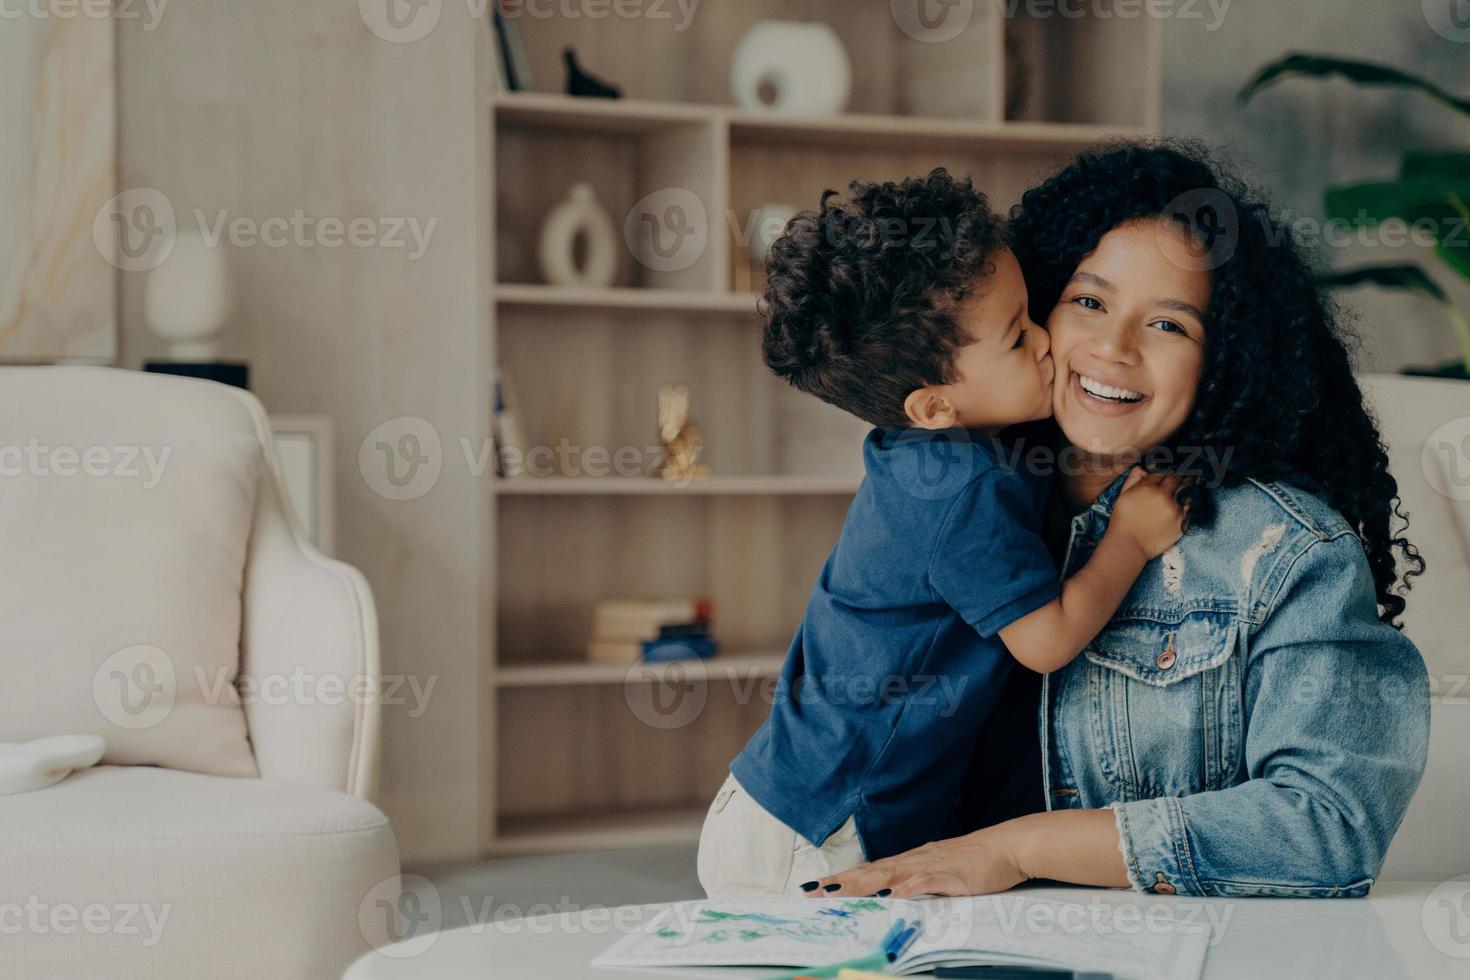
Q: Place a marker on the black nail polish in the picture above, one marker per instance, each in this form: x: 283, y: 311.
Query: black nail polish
x: 884, y: 893
x: 808, y: 886
x: 831, y: 888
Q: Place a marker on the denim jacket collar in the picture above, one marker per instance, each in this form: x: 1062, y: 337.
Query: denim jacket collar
x: 1092, y: 522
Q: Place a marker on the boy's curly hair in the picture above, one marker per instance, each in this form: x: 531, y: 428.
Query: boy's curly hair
x: 859, y: 293
x: 1278, y: 390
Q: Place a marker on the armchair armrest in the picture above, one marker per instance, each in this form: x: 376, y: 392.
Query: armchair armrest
x: 309, y: 670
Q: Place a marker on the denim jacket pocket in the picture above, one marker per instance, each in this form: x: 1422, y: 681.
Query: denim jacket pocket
x: 1157, y: 682
x: 1161, y: 648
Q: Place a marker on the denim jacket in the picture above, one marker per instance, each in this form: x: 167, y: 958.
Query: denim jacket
x: 1254, y: 727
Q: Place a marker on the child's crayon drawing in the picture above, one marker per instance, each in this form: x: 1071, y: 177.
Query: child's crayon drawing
x: 825, y: 925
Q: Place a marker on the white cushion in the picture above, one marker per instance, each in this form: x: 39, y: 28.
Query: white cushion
x: 257, y: 878
x: 125, y: 513
x: 28, y: 766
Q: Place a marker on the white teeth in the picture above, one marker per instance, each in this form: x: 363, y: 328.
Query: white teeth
x: 1107, y: 391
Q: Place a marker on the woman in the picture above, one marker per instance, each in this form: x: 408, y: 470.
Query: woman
x: 1251, y: 722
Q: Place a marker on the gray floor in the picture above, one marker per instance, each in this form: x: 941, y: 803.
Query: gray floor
x: 506, y: 887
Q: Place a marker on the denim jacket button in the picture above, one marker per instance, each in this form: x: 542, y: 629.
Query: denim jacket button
x: 1167, y: 657
x: 1162, y: 887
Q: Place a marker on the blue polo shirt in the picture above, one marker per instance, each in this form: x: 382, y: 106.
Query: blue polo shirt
x: 897, y: 663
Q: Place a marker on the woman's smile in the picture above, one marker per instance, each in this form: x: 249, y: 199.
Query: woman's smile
x: 1103, y: 398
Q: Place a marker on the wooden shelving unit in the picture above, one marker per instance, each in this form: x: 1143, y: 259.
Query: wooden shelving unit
x: 728, y: 666
x: 573, y: 762
x: 630, y: 300
x: 720, y: 486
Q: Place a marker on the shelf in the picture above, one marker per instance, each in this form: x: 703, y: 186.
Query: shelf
x: 654, y: 828
x: 617, y: 117
x: 719, y: 486
x: 854, y: 129
x: 636, y: 116
x: 534, y: 296
x: 736, y: 666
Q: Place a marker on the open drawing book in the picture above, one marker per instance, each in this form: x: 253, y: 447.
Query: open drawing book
x: 1126, y: 941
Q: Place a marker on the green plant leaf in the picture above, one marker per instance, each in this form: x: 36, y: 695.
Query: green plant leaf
x: 1360, y: 72
x: 1452, y: 166
x: 1376, y: 201
x: 1456, y: 255
x: 1408, y: 277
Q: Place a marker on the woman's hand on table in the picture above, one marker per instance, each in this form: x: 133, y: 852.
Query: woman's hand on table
x: 1077, y: 846
x: 976, y: 864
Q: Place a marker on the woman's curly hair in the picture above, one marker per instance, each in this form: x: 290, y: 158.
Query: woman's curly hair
x: 860, y: 293
x: 1277, y: 399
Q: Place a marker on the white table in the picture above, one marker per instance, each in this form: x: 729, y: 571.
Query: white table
x: 1403, y: 929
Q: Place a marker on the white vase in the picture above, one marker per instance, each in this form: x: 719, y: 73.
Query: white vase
x: 187, y: 299
x: 578, y: 214
x: 791, y: 67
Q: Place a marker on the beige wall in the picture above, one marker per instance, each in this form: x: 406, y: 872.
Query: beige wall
x: 264, y: 107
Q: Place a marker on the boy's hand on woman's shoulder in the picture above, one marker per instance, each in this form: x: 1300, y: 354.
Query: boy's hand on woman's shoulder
x: 1148, y: 511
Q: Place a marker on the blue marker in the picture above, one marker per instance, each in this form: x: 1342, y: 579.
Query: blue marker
x: 891, y: 935
x: 900, y: 943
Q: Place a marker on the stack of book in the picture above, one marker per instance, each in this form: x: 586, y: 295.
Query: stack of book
x: 625, y: 631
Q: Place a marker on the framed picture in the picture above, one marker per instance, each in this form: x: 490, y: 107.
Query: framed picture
x: 58, y: 178
x: 304, y: 450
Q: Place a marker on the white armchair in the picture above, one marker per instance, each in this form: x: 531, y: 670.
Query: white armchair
x: 1432, y: 843
x: 155, y: 590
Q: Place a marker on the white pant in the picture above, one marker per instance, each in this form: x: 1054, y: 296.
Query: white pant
x: 744, y: 852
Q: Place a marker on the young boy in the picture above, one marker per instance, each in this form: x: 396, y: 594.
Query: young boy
x: 903, y: 306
